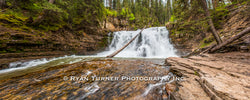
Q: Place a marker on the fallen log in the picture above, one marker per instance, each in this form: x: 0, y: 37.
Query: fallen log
x: 199, y: 51
x: 239, y: 35
x: 208, y: 49
x: 116, y: 52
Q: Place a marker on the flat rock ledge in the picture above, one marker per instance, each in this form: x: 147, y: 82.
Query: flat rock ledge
x: 222, y: 76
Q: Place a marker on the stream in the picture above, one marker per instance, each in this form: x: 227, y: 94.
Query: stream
x: 137, y: 72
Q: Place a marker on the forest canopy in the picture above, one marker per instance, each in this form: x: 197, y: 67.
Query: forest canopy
x: 83, y: 14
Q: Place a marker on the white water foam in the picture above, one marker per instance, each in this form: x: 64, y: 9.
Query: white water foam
x: 164, y: 80
x: 152, y: 43
x: 92, y: 88
x: 23, y: 65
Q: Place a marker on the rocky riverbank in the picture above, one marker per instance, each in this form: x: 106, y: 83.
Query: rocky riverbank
x: 230, y: 21
x: 57, y: 82
x: 19, y: 44
x: 23, y: 44
x: 222, y: 76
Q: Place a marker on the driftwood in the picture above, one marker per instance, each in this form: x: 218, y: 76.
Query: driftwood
x: 215, y: 47
x: 116, y: 52
x: 199, y: 51
x: 239, y: 35
x: 208, y: 49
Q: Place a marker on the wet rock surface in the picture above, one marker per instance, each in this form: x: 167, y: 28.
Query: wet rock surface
x: 7, y: 58
x: 69, y: 81
x: 222, y: 76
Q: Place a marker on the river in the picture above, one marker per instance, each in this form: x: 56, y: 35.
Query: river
x: 137, y: 72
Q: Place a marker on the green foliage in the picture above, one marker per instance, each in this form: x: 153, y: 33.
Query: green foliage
x: 140, y: 12
x: 104, y: 42
x: 52, y: 7
x: 172, y: 19
x: 206, y: 41
x: 76, y: 14
x: 40, y: 14
x: 239, y: 1
x: 125, y: 12
x: 111, y: 12
x: 131, y: 17
x: 219, y: 15
x: 4, y: 51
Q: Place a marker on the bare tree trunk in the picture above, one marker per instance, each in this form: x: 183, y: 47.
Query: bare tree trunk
x: 105, y: 23
x: 239, y: 35
x: 51, y: 1
x: 110, y: 4
x: 215, y: 3
x: 116, y: 52
x: 210, y: 22
x: 2, y: 4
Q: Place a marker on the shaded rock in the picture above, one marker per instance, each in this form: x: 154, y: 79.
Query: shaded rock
x: 244, y: 49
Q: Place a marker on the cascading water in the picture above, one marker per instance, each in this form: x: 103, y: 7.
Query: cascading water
x: 152, y: 43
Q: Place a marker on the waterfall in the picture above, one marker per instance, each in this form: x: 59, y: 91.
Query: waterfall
x: 152, y: 43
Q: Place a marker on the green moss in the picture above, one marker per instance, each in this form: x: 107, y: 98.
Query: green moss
x: 3, y: 51
x: 135, y: 28
x: 4, y: 41
x: 26, y: 28
x: 12, y: 19
x: 204, y: 45
x: 96, y: 59
x: 11, y: 50
x: 25, y: 41
x: 172, y: 32
x: 219, y: 16
x: 39, y: 42
x: 54, y: 27
x: 206, y: 41
x: 74, y: 51
x: 19, y: 51
x: 196, y: 73
x: 104, y: 42
x: 245, y: 2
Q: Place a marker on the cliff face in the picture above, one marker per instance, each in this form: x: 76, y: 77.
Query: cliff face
x: 15, y: 41
x: 20, y: 44
x: 25, y: 43
x: 228, y: 22
x: 83, y: 41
